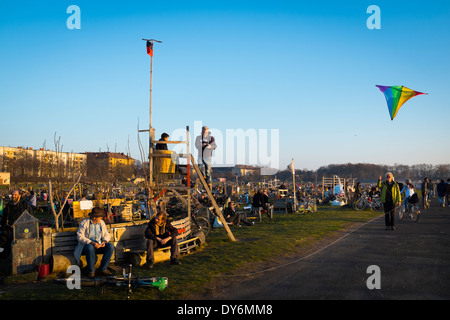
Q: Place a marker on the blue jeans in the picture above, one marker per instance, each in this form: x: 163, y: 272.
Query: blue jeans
x: 90, y: 252
x: 406, y: 202
x: 205, y: 168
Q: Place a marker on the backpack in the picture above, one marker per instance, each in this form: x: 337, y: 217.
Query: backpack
x: 414, y: 199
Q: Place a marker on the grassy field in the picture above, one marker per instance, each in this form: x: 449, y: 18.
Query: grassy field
x: 264, y: 244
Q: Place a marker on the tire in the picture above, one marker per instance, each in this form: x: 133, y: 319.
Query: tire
x: 359, y: 204
x: 202, y: 224
x: 414, y: 213
x: 377, y: 206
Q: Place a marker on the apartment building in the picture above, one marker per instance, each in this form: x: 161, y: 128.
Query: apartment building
x: 106, y: 165
x: 41, y: 163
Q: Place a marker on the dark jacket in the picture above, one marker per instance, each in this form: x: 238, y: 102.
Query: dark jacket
x: 441, y: 189
x: 169, y: 231
x: 395, y: 192
x: 13, y: 211
x: 229, y: 214
x: 161, y: 146
x: 259, y: 200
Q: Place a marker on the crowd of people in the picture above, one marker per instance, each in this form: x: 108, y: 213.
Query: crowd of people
x: 93, y: 237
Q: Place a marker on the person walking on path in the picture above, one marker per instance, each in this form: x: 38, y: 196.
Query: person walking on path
x: 391, y: 199
x: 425, y: 188
x: 441, y: 190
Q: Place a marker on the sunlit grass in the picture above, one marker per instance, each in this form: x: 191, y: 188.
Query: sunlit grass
x: 264, y: 242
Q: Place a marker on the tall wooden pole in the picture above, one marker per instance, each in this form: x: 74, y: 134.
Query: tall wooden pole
x: 151, y: 132
x: 188, y: 177
x: 293, y: 180
x: 150, y: 147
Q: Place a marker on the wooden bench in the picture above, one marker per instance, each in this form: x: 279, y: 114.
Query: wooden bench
x: 187, y: 242
x: 250, y: 212
x: 128, y: 239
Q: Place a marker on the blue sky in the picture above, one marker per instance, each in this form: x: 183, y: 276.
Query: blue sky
x: 306, y: 69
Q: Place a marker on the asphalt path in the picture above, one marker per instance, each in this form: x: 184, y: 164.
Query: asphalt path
x: 413, y: 264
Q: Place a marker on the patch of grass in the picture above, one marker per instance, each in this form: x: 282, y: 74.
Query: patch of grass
x: 268, y: 242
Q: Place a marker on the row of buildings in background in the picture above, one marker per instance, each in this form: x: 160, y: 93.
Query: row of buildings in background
x: 24, y: 163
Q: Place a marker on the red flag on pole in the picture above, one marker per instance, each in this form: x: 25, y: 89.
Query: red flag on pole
x: 150, y: 48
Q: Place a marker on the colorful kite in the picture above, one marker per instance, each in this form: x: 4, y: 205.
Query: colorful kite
x: 396, y: 96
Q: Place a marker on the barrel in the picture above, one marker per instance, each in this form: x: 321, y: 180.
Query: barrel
x: 164, y: 164
x: 60, y: 263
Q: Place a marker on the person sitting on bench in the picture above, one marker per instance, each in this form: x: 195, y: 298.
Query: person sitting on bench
x: 234, y: 217
x: 93, y: 238
x: 160, y: 233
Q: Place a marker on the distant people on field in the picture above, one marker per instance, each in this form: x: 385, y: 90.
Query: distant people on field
x: 426, y: 190
x: 234, y: 217
x: 441, y: 191
x: 261, y: 200
x: 447, y: 192
x: 32, y: 201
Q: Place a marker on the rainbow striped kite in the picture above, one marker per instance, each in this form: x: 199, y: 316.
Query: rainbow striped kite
x: 396, y: 96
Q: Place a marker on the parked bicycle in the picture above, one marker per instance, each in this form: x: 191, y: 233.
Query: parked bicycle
x: 308, y: 205
x: 199, y: 223
x: 368, y: 202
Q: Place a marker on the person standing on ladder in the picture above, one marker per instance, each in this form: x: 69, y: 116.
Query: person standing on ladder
x: 205, y: 144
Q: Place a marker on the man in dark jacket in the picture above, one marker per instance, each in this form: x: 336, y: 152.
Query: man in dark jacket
x: 161, y: 233
x: 441, y: 190
x: 260, y: 200
x: 12, y: 211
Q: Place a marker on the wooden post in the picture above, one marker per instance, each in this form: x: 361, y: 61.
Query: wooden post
x: 188, y: 176
x: 150, y: 129
x: 216, y: 207
x: 293, y: 180
x: 150, y: 139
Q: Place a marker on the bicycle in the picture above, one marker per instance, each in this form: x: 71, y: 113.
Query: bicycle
x: 364, y: 201
x: 412, y: 209
x: 199, y: 223
x: 309, y: 205
x: 126, y: 280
